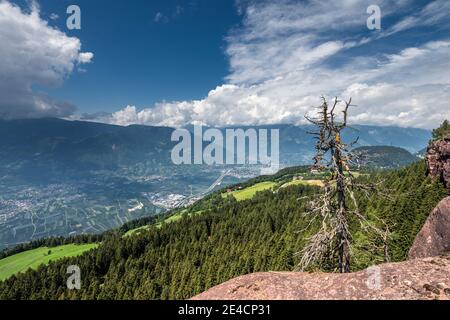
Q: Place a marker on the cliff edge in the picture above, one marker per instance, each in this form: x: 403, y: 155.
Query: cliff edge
x: 424, y: 279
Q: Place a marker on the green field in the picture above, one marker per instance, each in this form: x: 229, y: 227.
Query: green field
x: 34, y: 258
x: 318, y: 183
x: 249, y: 193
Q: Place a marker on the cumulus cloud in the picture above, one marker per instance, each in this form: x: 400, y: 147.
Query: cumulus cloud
x: 34, y: 53
x: 286, y: 55
x: 85, y: 57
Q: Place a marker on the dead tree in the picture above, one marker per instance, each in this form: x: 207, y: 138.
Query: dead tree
x: 337, y: 200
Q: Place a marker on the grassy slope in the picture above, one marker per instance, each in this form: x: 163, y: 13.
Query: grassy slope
x: 34, y: 258
x: 248, y: 193
x: 318, y: 183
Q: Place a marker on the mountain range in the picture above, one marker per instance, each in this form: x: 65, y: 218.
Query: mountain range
x: 93, y: 146
x: 60, y: 177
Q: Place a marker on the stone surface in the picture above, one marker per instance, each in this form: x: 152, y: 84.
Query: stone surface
x: 434, y: 238
x: 438, y: 160
x: 420, y: 279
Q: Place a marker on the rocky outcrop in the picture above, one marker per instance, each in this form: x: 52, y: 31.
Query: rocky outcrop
x: 438, y: 160
x: 434, y: 238
x: 420, y: 279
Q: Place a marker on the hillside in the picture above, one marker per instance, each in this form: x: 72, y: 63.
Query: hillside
x: 383, y: 157
x: 229, y: 238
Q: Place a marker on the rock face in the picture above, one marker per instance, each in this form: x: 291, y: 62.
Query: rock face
x: 421, y: 279
x: 438, y: 160
x: 434, y: 238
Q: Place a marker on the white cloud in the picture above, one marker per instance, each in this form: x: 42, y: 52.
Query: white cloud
x: 33, y: 53
x: 85, y: 57
x: 434, y: 13
x: 280, y: 67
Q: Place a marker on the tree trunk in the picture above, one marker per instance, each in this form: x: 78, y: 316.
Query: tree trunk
x: 344, y: 250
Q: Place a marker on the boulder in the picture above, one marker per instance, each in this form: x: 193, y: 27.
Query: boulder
x: 420, y: 279
x: 434, y: 238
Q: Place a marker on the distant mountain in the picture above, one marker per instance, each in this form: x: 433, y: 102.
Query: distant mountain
x: 421, y: 153
x: 80, y: 145
x: 384, y: 157
x: 297, y: 145
x: 93, y: 146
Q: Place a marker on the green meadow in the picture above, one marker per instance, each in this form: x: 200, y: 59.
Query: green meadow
x: 318, y: 183
x: 249, y: 193
x: 32, y: 259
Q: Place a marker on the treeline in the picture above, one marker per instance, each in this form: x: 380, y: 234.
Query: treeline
x: 443, y: 132
x: 184, y: 258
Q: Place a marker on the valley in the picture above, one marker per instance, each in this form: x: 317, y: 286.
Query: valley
x: 66, y: 178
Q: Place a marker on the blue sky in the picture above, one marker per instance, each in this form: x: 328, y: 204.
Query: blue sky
x: 142, y: 61
x: 225, y: 62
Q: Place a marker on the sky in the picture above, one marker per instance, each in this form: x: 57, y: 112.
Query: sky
x: 234, y: 62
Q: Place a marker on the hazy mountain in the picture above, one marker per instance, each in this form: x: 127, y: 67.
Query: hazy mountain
x: 80, y: 145
x: 384, y: 157
x: 86, y: 145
